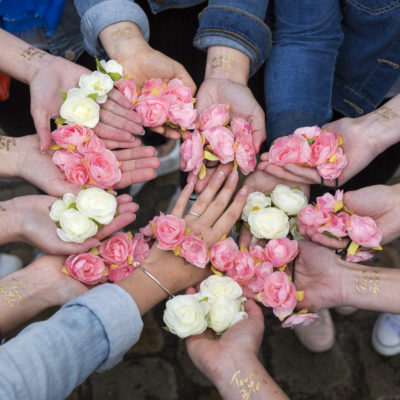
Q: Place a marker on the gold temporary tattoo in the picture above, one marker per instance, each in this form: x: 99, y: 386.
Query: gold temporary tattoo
x: 11, y: 294
x: 386, y: 114
x: 247, y: 386
x: 125, y: 33
x: 368, y: 283
x: 6, y: 143
x: 225, y: 62
x: 31, y: 52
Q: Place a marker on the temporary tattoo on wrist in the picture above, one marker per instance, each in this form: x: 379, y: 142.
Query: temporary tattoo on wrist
x: 122, y: 34
x: 224, y: 62
x: 386, y: 114
x: 247, y: 386
x: 30, y: 52
x: 11, y: 294
x: 369, y: 283
x: 6, y: 143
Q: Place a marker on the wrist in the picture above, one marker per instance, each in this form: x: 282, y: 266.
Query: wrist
x: 10, y: 222
x: 38, y: 63
x: 227, y: 63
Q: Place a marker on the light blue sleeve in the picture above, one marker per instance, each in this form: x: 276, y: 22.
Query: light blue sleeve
x: 48, y: 359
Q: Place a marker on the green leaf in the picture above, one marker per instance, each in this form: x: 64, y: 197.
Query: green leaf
x: 115, y: 76
x: 99, y: 225
x: 93, y: 96
x: 72, y: 205
x: 246, y: 224
x: 171, y: 125
x: 84, y: 187
x: 310, y: 141
x: 99, y: 66
x: 205, y: 299
x: 326, y: 233
x: 64, y: 95
x: 58, y: 224
x: 60, y: 121
x: 166, y: 328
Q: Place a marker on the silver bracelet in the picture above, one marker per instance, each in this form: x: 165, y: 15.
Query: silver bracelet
x: 137, y: 264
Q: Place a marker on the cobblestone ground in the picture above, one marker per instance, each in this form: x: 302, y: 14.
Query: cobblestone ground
x: 158, y: 368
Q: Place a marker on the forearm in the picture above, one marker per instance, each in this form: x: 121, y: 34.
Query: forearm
x: 19, y: 59
x: 246, y: 378
x: 227, y: 63
x: 9, y: 223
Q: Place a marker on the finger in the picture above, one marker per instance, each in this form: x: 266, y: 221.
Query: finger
x: 120, y: 99
x: 248, y: 293
x: 135, y: 176
x: 279, y: 172
x: 142, y: 163
x: 42, y: 125
x: 60, y: 188
x: 223, y: 198
x: 258, y: 129
x: 113, y: 144
x: 123, y: 198
x: 190, y: 290
x: 105, y: 131
x: 310, y: 174
x: 201, y: 184
x: 329, y: 242
x: 254, y: 311
x: 181, y: 202
x: 116, y: 224
x: 207, y: 196
x: 230, y: 216
x: 111, y: 119
x: 184, y: 76
x: 116, y: 109
x: 128, y: 208
x: 135, y: 153
x: 192, y: 178
x: 245, y: 236
x: 264, y: 156
x: 174, y: 134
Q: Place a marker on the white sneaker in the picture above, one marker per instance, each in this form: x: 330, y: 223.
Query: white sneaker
x: 386, y: 334
x: 9, y: 263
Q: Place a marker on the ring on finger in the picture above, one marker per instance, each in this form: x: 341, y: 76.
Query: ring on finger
x: 194, y: 214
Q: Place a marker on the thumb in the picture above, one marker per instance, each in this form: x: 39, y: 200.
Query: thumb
x: 184, y: 76
x: 258, y: 129
x: 42, y: 125
x: 253, y: 310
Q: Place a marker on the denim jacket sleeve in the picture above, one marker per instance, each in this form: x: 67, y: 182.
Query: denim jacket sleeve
x: 98, y: 14
x: 238, y: 24
x: 48, y: 359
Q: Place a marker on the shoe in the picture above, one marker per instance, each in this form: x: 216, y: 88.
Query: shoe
x: 9, y: 263
x: 386, y: 334
x: 346, y: 310
x: 319, y: 336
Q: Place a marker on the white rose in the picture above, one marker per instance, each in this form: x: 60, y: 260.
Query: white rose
x: 61, y: 205
x: 185, y: 315
x: 269, y: 223
x: 289, y: 200
x: 75, y: 227
x: 96, y: 83
x: 216, y: 286
x: 97, y: 204
x: 80, y: 109
x: 112, y: 66
x: 294, y: 229
x: 225, y: 312
x: 255, y: 201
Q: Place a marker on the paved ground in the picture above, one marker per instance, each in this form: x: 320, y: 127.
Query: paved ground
x: 158, y: 368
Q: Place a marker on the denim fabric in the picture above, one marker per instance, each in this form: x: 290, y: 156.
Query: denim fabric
x: 48, y: 359
x: 158, y: 6
x: 238, y: 24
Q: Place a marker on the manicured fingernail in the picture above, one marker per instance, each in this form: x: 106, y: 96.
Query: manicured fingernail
x: 220, y: 175
x: 243, y: 190
x: 233, y: 176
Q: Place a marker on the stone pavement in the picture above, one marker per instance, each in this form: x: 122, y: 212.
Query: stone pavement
x: 158, y: 367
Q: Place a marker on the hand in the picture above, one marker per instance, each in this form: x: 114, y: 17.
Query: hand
x: 117, y: 120
x: 212, y: 356
x: 260, y: 181
x: 31, y: 216
x: 359, y: 146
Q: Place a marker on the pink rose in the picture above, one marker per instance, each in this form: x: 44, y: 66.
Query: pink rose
x: 119, y: 272
x: 360, y: 256
x: 103, y: 168
x: 312, y: 216
x: 239, y: 127
x: 192, y: 152
x: 300, y: 319
x: 333, y: 169
x: 216, y: 115
x: 194, y: 250
x: 179, y: 91
x: 221, y: 142
x: 324, y: 147
x: 77, y: 173
x: 93, y: 144
x: 245, y: 155
x: 221, y: 254
x: 115, y: 250
x: 62, y: 158
x: 327, y: 202
x: 87, y: 268
x: 71, y: 135
x: 139, y: 249
x: 262, y: 271
x: 281, y: 251
x: 153, y: 110
x: 128, y: 88
x: 169, y: 231
x: 289, y: 149
x: 308, y: 132
x: 147, y: 231
x: 153, y: 86
x: 364, y: 231
x: 337, y: 225
x: 183, y: 115
x: 257, y: 252
x: 243, y: 267
x: 279, y: 293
